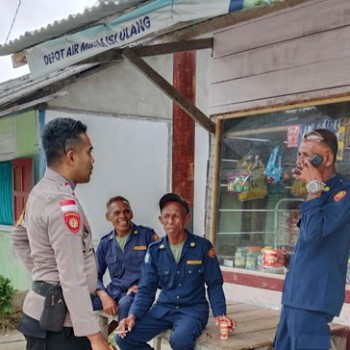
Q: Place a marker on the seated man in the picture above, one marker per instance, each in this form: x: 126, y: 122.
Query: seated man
x: 122, y: 252
x: 185, y: 267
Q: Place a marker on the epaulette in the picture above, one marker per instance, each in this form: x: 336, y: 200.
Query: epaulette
x: 158, y: 243
x: 145, y: 227
x: 108, y: 235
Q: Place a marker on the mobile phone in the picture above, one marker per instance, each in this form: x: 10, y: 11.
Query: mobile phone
x: 316, y: 160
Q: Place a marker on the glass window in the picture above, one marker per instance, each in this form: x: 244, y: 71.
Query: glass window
x: 258, y: 197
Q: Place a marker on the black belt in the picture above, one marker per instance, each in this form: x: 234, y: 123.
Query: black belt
x: 41, y: 287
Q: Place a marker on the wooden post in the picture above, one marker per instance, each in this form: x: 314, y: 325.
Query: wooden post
x: 184, y: 80
x: 216, y: 183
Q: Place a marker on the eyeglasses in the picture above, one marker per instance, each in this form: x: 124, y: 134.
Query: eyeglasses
x: 314, y: 135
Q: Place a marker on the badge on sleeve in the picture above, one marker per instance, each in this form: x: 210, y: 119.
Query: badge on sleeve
x: 212, y: 253
x: 155, y: 237
x: 341, y: 194
x: 72, y: 220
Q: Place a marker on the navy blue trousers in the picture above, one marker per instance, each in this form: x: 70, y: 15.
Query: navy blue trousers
x: 186, y: 330
x: 302, y: 329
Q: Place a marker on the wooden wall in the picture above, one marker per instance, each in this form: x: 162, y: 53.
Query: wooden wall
x: 301, y: 53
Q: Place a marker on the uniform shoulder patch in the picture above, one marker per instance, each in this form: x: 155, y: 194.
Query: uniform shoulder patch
x: 72, y: 220
x: 212, y: 253
x: 155, y: 237
x: 338, y: 196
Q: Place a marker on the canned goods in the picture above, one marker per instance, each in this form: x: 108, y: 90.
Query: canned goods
x: 269, y: 258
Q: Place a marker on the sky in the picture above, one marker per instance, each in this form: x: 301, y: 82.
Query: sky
x: 32, y: 15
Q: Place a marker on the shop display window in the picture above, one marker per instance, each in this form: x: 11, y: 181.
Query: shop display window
x: 258, y: 199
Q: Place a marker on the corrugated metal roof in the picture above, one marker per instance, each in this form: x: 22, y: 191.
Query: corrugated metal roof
x: 88, y: 18
x: 15, y: 89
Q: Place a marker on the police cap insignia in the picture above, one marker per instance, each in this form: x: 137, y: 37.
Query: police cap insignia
x: 341, y: 194
x: 72, y: 220
x: 212, y: 253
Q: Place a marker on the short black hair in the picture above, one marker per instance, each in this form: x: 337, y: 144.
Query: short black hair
x: 60, y: 135
x: 330, y: 139
x: 173, y: 197
x: 116, y: 199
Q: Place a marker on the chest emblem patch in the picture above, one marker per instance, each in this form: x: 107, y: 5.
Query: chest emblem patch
x: 341, y: 194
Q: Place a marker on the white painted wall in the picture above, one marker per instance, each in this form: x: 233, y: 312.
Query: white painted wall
x: 121, y: 89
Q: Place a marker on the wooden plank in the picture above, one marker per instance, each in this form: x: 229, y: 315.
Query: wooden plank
x: 256, y: 328
x: 239, y: 308
x: 282, y: 83
x: 153, y: 50
x: 216, y: 183
x: 255, y: 315
x: 180, y: 46
x: 169, y: 90
x: 310, y: 49
x: 257, y: 325
x: 255, y: 107
x: 217, y: 23
x: 311, y: 17
x: 237, y: 341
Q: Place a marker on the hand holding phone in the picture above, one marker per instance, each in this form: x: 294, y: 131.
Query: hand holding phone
x: 316, y: 160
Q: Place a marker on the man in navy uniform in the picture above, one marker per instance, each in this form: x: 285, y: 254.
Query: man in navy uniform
x: 121, y: 251
x: 314, y: 287
x: 181, y: 265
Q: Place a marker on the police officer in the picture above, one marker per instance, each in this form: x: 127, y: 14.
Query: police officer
x: 54, y: 242
x: 121, y: 251
x: 180, y: 264
x: 314, y: 287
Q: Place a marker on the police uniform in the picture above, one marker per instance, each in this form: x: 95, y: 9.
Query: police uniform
x: 124, y: 267
x: 182, y: 303
x: 55, y: 244
x: 314, y: 288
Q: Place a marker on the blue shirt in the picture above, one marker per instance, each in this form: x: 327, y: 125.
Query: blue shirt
x: 183, y: 285
x: 317, y: 271
x: 124, y: 267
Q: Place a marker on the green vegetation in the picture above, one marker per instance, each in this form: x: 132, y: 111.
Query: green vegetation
x: 7, y: 292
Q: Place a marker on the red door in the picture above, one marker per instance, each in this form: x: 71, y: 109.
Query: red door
x: 22, y: 184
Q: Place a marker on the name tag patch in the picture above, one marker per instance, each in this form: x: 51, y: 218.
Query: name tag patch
x: 140, y: 247
x: 194, y: 262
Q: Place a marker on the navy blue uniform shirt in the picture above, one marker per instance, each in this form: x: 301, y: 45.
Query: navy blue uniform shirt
x: 317, y: 271
x: 183, y: 285
x: 124, y: 267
